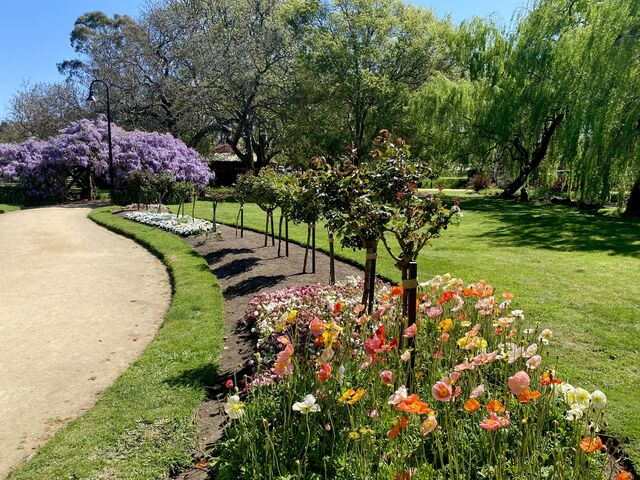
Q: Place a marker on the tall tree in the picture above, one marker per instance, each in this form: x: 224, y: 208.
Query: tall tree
x: 357, y: 62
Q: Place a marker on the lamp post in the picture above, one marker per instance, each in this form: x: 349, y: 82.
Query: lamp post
x: 92, y: 99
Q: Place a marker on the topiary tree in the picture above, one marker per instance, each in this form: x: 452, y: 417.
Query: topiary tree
x: 352, y: 212
x: 183, y: 192
x: 266, y: 194
x: 287, y: 185
x: 217, y: 195
x: 162, y: 183
x: 242, y: 193
x: 306, y: 207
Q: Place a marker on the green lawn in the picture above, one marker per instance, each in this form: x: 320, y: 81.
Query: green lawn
x: 574, y: 272
x: 5, y: 207
x: 143, y: 425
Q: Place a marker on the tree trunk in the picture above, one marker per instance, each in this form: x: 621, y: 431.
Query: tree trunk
x: 306, y: 249
x: 369, y: 274
x: 215, y: 225
x: 530, y: 163
x: 286, y: 237
x: 273, y: 233
x: 633, y: 203
x: 266, y: 229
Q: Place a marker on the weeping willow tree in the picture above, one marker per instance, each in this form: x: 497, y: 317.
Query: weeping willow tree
x: 599, y: 142
x: 444, y: 113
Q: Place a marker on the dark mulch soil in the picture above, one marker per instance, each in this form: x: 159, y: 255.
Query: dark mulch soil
x: 244, y: 267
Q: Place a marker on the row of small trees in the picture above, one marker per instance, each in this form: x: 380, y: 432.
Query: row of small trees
x: 362, y: 203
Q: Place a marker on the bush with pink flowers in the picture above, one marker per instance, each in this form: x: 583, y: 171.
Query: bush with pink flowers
x: 334, y: 393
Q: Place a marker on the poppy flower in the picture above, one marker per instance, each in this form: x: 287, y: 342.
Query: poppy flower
x: 400, y: 424
x: 495, y: 422
x: 413, y: 404
x: 519, y: 382
x: 591, y: 445
x: 442, y: 391
x: 324, y: 373
x: 472, y: 405
x: 429, y: 425
x: 494, y: 406
x: 528, y: 395
x: 623, y: 475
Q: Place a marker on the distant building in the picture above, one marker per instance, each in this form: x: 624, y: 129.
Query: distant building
x: 226, y: 165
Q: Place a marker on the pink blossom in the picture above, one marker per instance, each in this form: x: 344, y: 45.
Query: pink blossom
x: 534, y: 362
x: 411, y: 331
x: 495, y: 422
x: 316, y: 326
x: 477, y: 392
x: 519, y: 382
x: 386, y: 376
x: 442, y: 391
x: 434, y: 312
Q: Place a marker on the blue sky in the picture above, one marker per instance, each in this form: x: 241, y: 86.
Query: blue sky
x: 34, y: 34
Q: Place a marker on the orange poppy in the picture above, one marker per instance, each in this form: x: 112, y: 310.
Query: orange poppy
x: 528, y: 395
x: 413, y: 404
x: 399, y: 425
x: 548, y: 379
x: 624, y: 475
x: 591, y: 445
x: 472, y: 405
x: 494, y: 406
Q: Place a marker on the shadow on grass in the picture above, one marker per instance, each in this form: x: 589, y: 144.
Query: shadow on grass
x: 205, y: 376
x: 557, y: 227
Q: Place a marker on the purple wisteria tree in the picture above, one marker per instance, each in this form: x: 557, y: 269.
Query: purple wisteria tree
x: 79, y: 155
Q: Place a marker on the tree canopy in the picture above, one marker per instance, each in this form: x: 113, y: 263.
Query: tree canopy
x: 549, y: 102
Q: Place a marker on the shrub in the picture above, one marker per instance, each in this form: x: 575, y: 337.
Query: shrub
x: 478, y: 182
x: 334, y: 395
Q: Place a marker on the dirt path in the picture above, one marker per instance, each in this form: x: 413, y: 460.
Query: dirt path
x: 77, y: 305
x: 245, y: 267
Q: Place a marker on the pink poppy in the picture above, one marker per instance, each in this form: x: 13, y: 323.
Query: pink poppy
x: 316, y: 326
x: 442, y: 391
x: 519, y: 382
x: 495, y: 422
x: 386, y: 376
x: 411, y: 331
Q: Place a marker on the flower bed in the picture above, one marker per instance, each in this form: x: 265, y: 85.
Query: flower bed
x: 338, y: 393
x: 183, y: 225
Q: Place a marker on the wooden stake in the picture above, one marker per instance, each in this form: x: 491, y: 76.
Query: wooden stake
x: 410, y: 286
x: 332, y: 264
x: 313, y: 248
x: 286, y: 236
x: 273, y: 233
x: 280, y: 233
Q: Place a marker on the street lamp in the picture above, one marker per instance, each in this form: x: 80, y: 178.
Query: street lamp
x: 92, y: 99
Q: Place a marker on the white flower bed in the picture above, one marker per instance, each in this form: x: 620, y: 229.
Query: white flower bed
x: 184, y: 225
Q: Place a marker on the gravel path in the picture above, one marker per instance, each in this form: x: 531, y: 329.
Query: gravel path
x: 78, y: 304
